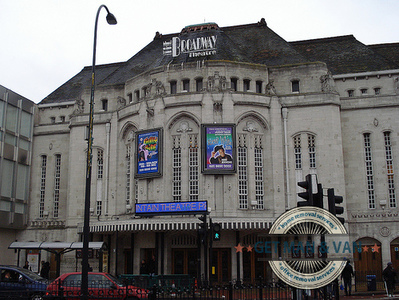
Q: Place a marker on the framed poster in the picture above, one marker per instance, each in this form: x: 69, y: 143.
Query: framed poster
x: 149, y: 153
x: 219, y: 150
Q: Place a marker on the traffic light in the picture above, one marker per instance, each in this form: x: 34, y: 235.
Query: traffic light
x: 308, y: 194
x: 216, y: 231
x: 318, y: 197
x: 202, y: 228
x: 332, y: 201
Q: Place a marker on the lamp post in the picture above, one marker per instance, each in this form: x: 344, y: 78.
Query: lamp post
x: 86, y: 229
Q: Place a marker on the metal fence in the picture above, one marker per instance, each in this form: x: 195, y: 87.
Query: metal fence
x: 369, y: 281
x: 176, y: 288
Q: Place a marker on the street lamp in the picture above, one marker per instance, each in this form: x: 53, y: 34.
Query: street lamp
x: 86, y: 229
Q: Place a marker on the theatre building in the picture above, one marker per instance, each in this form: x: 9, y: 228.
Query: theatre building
x: 226, y: 118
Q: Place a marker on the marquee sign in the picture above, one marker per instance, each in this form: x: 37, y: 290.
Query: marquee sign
x: 166, y: 208
x: 194, y: 47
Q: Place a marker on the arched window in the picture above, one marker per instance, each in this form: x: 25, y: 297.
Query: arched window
x: 185, y: 160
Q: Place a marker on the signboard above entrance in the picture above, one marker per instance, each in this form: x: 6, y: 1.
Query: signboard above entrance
x: 167, y: 208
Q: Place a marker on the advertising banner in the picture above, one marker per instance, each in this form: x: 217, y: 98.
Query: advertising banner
x: 218, y: 155
x: 149, y: 153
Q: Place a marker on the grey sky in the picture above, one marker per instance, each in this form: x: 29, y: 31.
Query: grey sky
x: 46, y: 42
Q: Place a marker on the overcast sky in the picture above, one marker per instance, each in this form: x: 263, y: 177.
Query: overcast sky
x: 46, y: 42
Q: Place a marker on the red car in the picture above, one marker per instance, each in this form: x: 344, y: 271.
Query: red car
x: 101, y: 286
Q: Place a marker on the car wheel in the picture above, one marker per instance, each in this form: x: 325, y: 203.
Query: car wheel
x: 36, y: 297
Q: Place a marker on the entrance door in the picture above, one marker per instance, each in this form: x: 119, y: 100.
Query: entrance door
x: 220, y: 271
x: 184, y: 261
x: 395, y: 255
x: 256, y: 266
x: 368, y: 262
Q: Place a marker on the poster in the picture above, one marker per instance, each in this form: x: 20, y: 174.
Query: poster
x: 149, y: 153
x: 218, y: 155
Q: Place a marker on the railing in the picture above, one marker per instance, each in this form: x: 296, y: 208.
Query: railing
x: 177, y: 287
x: 369, y: 281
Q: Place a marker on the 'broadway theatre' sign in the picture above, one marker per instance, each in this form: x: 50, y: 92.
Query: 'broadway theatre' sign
x: 194, y: 47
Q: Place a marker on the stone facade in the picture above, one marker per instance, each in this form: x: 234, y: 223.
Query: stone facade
x: 290, y: 119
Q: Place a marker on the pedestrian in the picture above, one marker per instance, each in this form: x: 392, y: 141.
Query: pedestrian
x: 45, y: 270
x: 389, y: 275
x: 346, y: 275
x: 143, y: 267
x: 152, y: 266
x: 26, y: 266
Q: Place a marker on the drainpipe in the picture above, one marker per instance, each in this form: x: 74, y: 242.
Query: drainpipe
x: 284, y: 112
x: 108, y: 141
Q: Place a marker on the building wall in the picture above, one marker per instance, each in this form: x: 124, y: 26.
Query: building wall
x: 273, y: 119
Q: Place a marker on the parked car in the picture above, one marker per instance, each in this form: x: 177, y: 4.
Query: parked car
x: 100, y: 286
x: 16, y: 282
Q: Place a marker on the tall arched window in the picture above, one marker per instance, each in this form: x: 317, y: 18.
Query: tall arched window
x: 390, y: 169
x: 185, y: 160
x: 250, y: 164
x: 131, y: 184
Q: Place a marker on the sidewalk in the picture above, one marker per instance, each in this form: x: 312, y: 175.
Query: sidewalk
x: 368, y: 295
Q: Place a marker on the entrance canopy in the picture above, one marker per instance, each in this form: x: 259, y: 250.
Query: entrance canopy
x: 65, y: 246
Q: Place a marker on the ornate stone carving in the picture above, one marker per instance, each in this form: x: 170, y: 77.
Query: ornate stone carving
x: 216, y: 83
x: 80, y: 104
x: 385, y: 231
x: 121, y: 102
x: 184, y: 127
x: 270, y: 88
x: 250, y: 127
x: 327, y: 83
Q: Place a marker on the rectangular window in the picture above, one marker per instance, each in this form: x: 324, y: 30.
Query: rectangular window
x: 57, y: 179
x: 136, y: 95
x: 128, y: 172
x: 100, y: 164
x: 242, y: 176
x: 390, y: 170
x: 369, y: 170
x: 186, y: 85
x: 259, y: 87
x: 233, y: 84
x: 259, y: 188
x: 7, y: 176
x: 104, y: 105
x: 312, y: 151
x: 11, y: 118
x: 247, y: 85
x: 43, y: 169
x: 363, y: 91
x: 173, y: 87
x: 295, y: 86
x: 198, y: 84
x: 193, y: 168
x: 351, y: 93
x: 297, y: 152
x: 176, y: 165
x: 377, y: 91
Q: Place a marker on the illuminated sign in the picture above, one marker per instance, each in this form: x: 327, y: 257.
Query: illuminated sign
x: 218, y: 155
x: 195, y: 47
x: 149, y: 153
x: 164, y: 208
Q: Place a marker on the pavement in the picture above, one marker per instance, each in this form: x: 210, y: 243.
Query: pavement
x: 369, y: 295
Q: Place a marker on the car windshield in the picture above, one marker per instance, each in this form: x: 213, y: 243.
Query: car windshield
x: 31, y: 275
x: 116, y: 280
